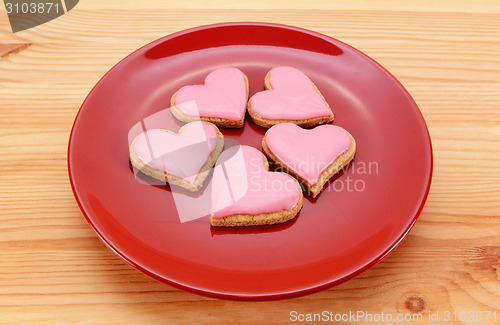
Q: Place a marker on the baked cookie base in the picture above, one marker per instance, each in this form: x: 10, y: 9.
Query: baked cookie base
x: 258, y: 220
x: 307, y: 123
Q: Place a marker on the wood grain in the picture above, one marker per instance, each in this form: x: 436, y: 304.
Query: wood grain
x: 54, y: 269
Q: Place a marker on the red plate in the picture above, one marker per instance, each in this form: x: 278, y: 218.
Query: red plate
x: 352, y: 225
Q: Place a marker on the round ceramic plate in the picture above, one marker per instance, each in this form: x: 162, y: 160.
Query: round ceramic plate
x: 357, y: 220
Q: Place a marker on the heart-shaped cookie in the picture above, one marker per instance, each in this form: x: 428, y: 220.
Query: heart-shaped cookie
x: 312, y: 155
x: 182, y: 159
x: 245, y: 193
x: 290, y: 97
x: 221, y: 100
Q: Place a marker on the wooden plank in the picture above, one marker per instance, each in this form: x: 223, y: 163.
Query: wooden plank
x: 487, y: 6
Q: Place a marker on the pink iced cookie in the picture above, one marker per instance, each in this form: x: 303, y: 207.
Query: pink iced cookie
x: 313, y: 156
x: 290, y: 97
x: 245, y: 193
x: 221, y: 100
x: 183, y: 158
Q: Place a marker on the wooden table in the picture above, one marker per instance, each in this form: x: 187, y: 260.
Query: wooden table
x: 54, y: 269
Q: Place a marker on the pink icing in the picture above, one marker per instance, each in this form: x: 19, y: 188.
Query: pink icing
x: 182, y: 154
x: 307, y: 152
x: 241, y: 185
x: 293, y: 97
x: 224, y: 95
